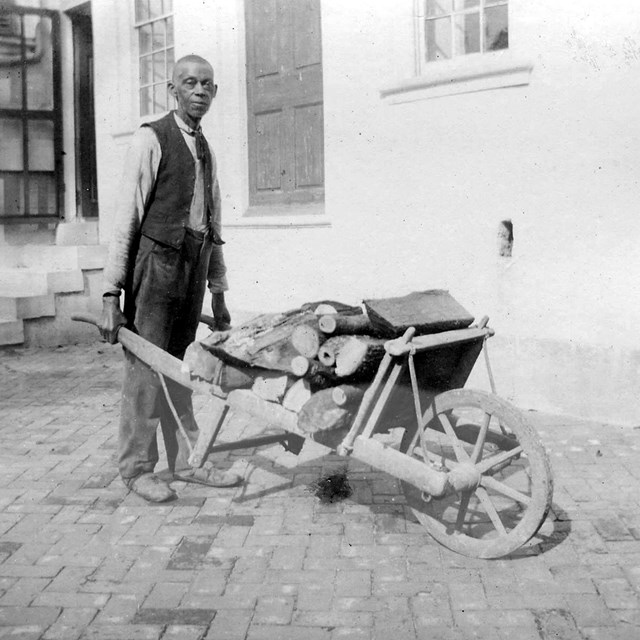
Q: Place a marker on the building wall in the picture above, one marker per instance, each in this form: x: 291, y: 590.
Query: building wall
x: 415, y: 191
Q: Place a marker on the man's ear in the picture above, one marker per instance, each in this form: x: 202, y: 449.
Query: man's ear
x: 171, y: 88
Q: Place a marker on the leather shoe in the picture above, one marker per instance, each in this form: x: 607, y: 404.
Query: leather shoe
x: 209, y: 476
x: 151, y: 488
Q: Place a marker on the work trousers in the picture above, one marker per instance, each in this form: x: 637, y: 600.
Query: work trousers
x: 163, y: 302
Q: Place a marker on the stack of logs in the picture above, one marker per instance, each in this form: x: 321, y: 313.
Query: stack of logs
x: 316, y: 362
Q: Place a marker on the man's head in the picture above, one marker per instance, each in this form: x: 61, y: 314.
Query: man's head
x: 193, y: 88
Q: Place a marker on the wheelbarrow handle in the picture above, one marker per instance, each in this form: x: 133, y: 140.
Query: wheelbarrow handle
x: 155, y: 357
x: 85, y: 317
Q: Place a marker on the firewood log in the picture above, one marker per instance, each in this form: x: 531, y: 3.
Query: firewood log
x: 264, y: 341
x: 200, y: 363
x: 359, y: 357
x: 297, y: 395
x: 271, y: 386
x: 318, y: 375
x: 281, y: 333
x: 342, y: 324
x: 304, y: 367
x: 277, y: 356
x: 307, y: 339
x: 322, y: 420
x: 347, y: 395
x: 329, y: 350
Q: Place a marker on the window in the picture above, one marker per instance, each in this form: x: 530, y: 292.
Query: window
x: 459, y: 27
x: 154, y: 24
x: 30, y: 114
x: 461, y: 46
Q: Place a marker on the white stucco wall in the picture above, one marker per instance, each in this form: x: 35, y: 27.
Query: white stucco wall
x: 415, y: 191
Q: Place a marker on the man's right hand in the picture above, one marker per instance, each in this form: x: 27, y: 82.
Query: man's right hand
x: 112, y: 318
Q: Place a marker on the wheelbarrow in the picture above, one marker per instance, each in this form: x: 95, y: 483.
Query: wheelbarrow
x: 472, y: 468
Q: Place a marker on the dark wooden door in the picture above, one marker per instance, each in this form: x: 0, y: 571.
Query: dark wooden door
x: 284, y: 89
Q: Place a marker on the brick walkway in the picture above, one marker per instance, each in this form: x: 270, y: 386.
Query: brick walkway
x: 81, y: 558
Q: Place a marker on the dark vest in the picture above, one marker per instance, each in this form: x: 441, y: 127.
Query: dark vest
x: 167, y: 211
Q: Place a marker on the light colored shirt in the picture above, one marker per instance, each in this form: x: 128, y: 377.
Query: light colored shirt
x: 139, y: 176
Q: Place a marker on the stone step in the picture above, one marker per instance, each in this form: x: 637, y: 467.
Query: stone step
x: 16, y: 283
x: 53, y: 257
x: 27, y: 307
x: 24, y: 283
x: 11, y: 332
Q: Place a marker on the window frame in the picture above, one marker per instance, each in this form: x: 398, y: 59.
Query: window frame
x: 137, y: 25
x: 26, y: 115
x: 465, y: 73
x: 421, y: 30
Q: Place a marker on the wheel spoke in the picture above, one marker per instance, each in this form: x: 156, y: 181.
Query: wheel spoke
x: 491, y: 510
x: 494, y: 461
x: 462, y: 510
x: 461, y: 454
x: 491, y: 483
x: 427, y: 456
x: 477, y: 449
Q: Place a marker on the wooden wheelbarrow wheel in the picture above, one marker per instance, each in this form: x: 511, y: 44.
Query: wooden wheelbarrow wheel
x: 501, y: 457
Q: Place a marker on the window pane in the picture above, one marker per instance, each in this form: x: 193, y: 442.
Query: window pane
x: 158, y: 35
x: 10, y: 58
x: 170, y: 62
x: 11, y: 88
x: 41, y: 154
x: 489, y: 3
x: 496, y: 28
x: 146, y: 101
x: 142, y: 10
x: 169, y: 22
x: 11, y: 156
x: 42, y: 195
x: 438, y: 39
x: 460, y: 5
x: 39, y: 62
x: 159, y: 67
x: 155, y: 9
x: 144, y: 39
x: 438, y: 7
x: 11, y: 194
x: 467, y: 33
x: 168, y: 6
x: 146, y: 70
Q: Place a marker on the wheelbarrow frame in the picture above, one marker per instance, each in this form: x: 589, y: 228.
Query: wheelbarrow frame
x: 399, y: 359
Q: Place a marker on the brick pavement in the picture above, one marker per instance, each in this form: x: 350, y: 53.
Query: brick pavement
x: 82, y: 558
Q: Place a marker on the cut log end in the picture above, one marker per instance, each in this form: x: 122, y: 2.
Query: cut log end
x: 328, y: 352
x: 300, y: 366
x: 347, y: 395
x: 306, y: 341
x: 327, y: 324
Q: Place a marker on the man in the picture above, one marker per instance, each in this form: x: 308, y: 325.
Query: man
x: 166, y: 247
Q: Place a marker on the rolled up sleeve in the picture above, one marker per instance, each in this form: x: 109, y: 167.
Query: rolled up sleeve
x: 217, y: 275
x: 138, y: 178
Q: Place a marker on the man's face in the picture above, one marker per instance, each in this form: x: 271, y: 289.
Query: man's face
x: 192, y: 86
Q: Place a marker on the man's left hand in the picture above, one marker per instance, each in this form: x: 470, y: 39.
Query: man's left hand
x: 221, y: 314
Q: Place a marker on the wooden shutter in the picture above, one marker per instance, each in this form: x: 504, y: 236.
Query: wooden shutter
x: 284, y: 90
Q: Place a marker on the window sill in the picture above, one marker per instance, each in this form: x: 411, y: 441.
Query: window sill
x: 465, y: 74
x: 294, y: 216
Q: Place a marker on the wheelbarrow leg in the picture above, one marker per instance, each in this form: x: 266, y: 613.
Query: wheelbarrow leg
x: 208, y: 432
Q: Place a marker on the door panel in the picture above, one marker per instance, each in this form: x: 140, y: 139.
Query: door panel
x: 308, y: 150
x: 268, y: 165
x: 285, y: 110
x: 306, y: 34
